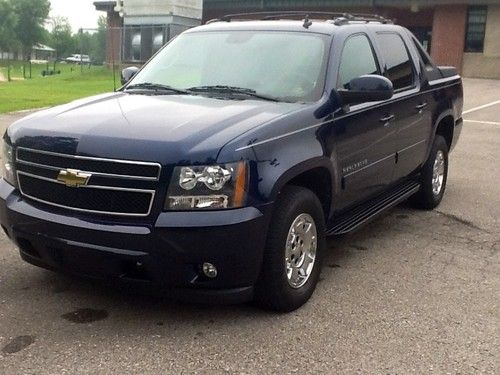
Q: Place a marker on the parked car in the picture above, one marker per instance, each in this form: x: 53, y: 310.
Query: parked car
x: 218, y: 170
x: 78, y: 59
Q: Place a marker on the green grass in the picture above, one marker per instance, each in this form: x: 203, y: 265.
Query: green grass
x: 52, y: 90
x: 20, y: 69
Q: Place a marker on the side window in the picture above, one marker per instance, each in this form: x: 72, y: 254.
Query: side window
x: 398, y: 63
x: 357, y: 59
x: 424, y: 57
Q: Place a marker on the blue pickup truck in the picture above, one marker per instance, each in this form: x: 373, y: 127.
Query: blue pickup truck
x: 218, y: 170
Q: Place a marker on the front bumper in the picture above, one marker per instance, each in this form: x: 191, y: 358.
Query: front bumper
x: 166, y: 255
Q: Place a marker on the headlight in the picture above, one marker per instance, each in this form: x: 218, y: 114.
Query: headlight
x: 209, y: 187
x: 7, y: 164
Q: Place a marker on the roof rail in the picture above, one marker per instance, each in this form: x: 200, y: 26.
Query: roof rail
x: 337, y: 18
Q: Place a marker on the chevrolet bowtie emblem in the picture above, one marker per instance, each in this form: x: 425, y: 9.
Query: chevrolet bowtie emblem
x: 73, y: 177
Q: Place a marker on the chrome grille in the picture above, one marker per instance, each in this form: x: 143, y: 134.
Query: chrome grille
x: 116, y: 187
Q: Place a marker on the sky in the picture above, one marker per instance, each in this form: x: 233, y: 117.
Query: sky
x: 81, y: 13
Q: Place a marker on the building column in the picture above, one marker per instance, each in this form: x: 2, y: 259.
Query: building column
x: 448, y: 35
x: 114, y: 37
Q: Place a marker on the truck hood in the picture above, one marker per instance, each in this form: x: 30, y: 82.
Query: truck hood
x: 162, y: 128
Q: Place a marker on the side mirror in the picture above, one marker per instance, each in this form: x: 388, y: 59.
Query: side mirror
x: 367, y: 88
x: 128, y: 73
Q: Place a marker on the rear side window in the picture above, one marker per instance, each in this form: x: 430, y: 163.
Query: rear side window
x: 423, y: 55
x: 357, y: 59
x: 398, y: 63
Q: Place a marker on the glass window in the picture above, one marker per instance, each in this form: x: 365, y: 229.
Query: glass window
x: 476, y: 27
x: 288, y: 66
x: 136, y: 47
x: 399, y: 67
x: 158, y: 39
x: 141, y: 42
x: 424, y: 57
x: 357, y: 60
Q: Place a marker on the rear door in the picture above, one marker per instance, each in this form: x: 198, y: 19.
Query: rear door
x: 412, y: 117
x: 363, y: 135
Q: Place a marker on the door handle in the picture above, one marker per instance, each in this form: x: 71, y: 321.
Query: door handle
x: 387, y: 119
x: 421, y: 106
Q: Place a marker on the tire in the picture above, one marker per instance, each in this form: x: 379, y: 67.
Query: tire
x: 433, y: 186
x: 280, y: 286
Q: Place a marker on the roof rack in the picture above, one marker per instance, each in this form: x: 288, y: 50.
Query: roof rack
x: 336, y: 18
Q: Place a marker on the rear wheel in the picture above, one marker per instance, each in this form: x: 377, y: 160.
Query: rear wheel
x: 294, y: 251
x: 433, y: 177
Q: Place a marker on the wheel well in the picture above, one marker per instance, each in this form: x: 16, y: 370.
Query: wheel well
x: 445, y: 129
x: 319, y: 181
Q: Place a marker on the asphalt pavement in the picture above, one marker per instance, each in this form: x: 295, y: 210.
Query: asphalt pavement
x: 412, y: 292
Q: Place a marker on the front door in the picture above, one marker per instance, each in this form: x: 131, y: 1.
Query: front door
x: 364, y: 135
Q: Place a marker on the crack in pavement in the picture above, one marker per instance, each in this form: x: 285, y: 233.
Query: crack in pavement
x: 465, y: 222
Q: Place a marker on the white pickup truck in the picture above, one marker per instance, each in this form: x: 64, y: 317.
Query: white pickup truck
x: 78, y: 59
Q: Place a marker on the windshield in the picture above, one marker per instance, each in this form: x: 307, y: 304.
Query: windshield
x: 287, y: 66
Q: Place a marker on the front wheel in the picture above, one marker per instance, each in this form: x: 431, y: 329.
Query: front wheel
x: 433, y: 177
x: 294, y: 251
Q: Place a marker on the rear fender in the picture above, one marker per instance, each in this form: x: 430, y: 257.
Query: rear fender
x: 436, y: 122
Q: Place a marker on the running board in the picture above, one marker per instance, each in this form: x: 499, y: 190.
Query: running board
x: 359, y: 215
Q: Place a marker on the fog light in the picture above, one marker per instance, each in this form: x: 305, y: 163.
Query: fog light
x: 209, y: 270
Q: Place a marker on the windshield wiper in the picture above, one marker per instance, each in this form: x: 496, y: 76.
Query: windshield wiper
x: 157, y: 87
x: 219, y: 89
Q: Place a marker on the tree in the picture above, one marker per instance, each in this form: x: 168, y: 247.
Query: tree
x: 85, y: 39
x: 99, y: 42
x: 8, y: 40
x: 31, y: 17
x: 92, y: 42
x: 61, y: 37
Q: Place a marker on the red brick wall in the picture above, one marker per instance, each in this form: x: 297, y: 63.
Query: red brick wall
x: 448, y: 35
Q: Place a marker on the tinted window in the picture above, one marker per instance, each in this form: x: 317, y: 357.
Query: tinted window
x: 476, y: 28
x: 357, y: 59
x: 423, y: 55
x: 398, y: 63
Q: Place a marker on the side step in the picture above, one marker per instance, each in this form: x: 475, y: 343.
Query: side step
x: 359, y: 215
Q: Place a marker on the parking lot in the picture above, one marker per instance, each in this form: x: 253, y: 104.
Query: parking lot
x: 412, y: 292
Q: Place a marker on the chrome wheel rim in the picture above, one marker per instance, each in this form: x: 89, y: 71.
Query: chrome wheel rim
x: 300, y: 254
x: 438, y: 173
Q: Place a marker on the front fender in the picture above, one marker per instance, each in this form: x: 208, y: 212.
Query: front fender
x: 298, y: 169
x: 278, y: 160
x: 283, y: 149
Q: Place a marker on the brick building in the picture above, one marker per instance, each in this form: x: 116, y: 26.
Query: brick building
x: 139, y: 28
x: 462, y: 33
